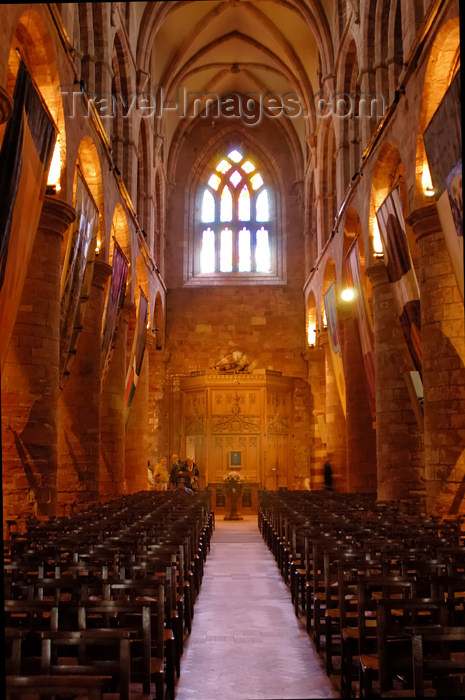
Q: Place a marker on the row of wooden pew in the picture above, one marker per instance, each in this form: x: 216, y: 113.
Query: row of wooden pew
x: 98, y: 604
x: 380, y: 587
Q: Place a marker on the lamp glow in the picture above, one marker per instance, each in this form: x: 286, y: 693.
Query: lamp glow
x: 54, y: 172
x: 311, y: 336
x: 347, y: 294
x: 377, y: 244
x: 426, y: 181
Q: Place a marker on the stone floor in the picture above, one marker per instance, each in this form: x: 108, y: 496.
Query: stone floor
x: 246, y: 641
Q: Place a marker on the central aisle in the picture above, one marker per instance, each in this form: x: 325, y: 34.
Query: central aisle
x: 246, y: 642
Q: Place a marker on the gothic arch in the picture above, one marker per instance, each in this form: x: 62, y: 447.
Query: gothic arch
x: 443, y: 63
x: 35, y: 44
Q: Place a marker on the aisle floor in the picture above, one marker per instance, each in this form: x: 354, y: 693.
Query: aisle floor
x: 246, y: 641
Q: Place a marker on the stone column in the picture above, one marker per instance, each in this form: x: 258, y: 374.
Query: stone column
x: 315, y: 358
x: 443, y: 342
x: 113, y: 413
x: 335, y: 422
x: 30, y: 382
x: 399, y: 449
x: 158, y: 419
x: 136, y: 448
x: 78, y: 475
x: 360, y: 434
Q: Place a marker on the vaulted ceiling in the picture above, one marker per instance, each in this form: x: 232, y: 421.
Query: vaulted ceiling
x: 247, y: 47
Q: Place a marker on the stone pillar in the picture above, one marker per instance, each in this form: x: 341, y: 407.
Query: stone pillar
x: 78, y: 474
x: 443, y: 343
x: 315, y: 358
x: 113, y: 413
x: 360, y: 434
x: 158, y: 419
x: 30, y: 382
x: 136, y: 447
x: 335, y: 422
x: 399, y: 449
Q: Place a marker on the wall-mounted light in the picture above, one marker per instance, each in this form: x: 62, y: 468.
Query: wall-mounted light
x: 311, y: 335
x: 348, y: 294
x: 377, y: 244
x: 426, y: 182
x: 325, y: 320
x: 97, y: 247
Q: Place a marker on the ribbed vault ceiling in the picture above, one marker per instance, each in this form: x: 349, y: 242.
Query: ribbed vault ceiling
x: 247, y: 47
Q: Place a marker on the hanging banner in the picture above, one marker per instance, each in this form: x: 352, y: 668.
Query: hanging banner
x: 25, y: 157
x: 114, y: 302
x: 77, y: 273
x: 443, y: 144
x: 401, y: 273
x: 138, y: 347
x: 364, y: 323
x: 334, y: 342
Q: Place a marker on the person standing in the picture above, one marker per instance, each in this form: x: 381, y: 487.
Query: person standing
x: 328, y: 473
x: 150, y: 477
x: 193, y: 473
x: 176, y: 465
x: 161, y: 475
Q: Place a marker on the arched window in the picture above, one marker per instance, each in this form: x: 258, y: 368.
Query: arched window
x: 236, y: 235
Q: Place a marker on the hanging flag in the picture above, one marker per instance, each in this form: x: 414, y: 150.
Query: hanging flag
x: 334, y: 342
x: 25, y: 157
x: 138, y: 347
x: 364, y: 322
x: 77, y: 273
x: 114, y: 302
x: 401, y: 273
x: 443, y: 144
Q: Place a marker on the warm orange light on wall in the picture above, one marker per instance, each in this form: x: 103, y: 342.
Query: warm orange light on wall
x: 54, y: 173
x: 311, y: 335
x: 348, y: 294
x: 426, y: 181
x: 377, y: 244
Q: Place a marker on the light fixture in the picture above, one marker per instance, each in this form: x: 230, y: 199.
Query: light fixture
x: 377, y: 244
x: 426, y: 182
x: 311, y: 336
x: 348, y: 294
x: 97, y: 247
x: 54, y: 172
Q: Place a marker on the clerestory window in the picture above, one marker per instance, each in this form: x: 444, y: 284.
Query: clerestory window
x: 236, y: 229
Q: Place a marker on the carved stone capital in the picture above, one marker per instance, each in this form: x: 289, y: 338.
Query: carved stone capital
x: 377, y: 274
x: 56, y: 216
x: 424, y: 221
x: 102, y: 272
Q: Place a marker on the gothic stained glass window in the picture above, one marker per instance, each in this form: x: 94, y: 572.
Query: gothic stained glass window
x: 235, y: 194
